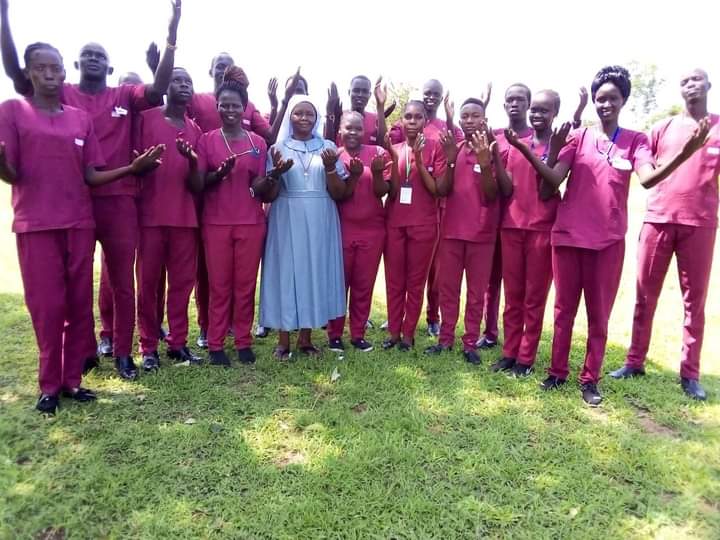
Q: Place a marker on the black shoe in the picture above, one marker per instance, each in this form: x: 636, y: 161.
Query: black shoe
x: 626, y: 372
x: 219, y: 358
x: 404, y: 347
x: 521, y: 370
x: 389, y: 343
x: 437, y: 349
x: 472, y: 357
x: 361, y: 345
x: 47, y: 404
x: 126, y: 368
x: 162, y: 334
x: 504, y: 364
x: 591, y: 394
x: 105, y: 347
x: 80, y: 394
x: 184, y: 355
x: 485, y: 343
x: 336, y: 345
x: 262, y: 332
x: 246, y: 355
x: 151, y: 362
x: 552, y: 383
x: 91, y: 363
x: 692, y: 388
x: 202, y: 341
x: 433, y: 329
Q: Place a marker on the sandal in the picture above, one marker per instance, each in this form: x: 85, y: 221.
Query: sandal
x: 282, y: 354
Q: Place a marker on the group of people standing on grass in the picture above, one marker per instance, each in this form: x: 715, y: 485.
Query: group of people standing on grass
x: 186, y: 190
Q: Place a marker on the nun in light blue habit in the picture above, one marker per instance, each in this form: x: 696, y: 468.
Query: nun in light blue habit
x: 302, y: 284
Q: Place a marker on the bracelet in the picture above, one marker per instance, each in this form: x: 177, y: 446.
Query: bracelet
x: 171, y: 47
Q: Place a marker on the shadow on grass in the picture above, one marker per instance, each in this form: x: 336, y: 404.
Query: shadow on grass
x: 400, y: 446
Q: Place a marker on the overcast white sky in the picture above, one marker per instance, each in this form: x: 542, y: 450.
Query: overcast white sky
x: 558, y: 44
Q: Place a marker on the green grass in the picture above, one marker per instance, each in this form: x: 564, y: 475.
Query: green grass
x: 400, y: 446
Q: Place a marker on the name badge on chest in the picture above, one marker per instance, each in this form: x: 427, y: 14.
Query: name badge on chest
x: 119, y: 112
x: 621, y: 164
x: 713, y: 151
x: 406, y: 195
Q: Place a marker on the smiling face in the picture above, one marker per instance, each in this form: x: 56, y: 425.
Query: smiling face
x: 432, y: 95
x: 230, y: 108
x: 94, y: 62
x: 694, y: 86
x: 46, y: 72
x: 302, y: 119
x: 543, y: 110
x: 413, y: 120
x: 359, y: 93
x: 608, y: 103
x: 180, y: 90
x: 351, y: 130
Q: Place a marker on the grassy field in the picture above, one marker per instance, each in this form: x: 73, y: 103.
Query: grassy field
x: 399, y: 446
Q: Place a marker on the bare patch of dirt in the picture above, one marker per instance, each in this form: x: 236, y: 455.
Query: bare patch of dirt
x: 291, y: 457
x: 652, y: 427
x: 360, y: 408
x: 51, y: 533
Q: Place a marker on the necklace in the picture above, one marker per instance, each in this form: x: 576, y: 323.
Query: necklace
x: 306, y: 167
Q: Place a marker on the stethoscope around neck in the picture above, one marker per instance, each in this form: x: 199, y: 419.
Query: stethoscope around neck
x: 255, y: 151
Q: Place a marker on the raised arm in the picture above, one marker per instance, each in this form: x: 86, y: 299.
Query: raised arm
x: 152, y: 57
x: 147, y: 161
x: 163, y: 73
x: 449, y: 113
x: 485, y: 96
x: 650, y: 176
x: 289, y: 92
x: 10, y: 59
x: 577, y: 117
x: 380, y: 99
x: 333, y: 112
x: 272, y: 96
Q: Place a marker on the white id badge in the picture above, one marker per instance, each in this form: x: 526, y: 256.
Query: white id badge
x: 118, y: 111
x: 713, y: 151
x: 80, y: 142
x: 406, y: 195
x: 621, y: 164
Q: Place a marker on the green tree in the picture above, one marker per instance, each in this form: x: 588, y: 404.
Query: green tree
x: 400, y: 93
x: 646, y: 84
